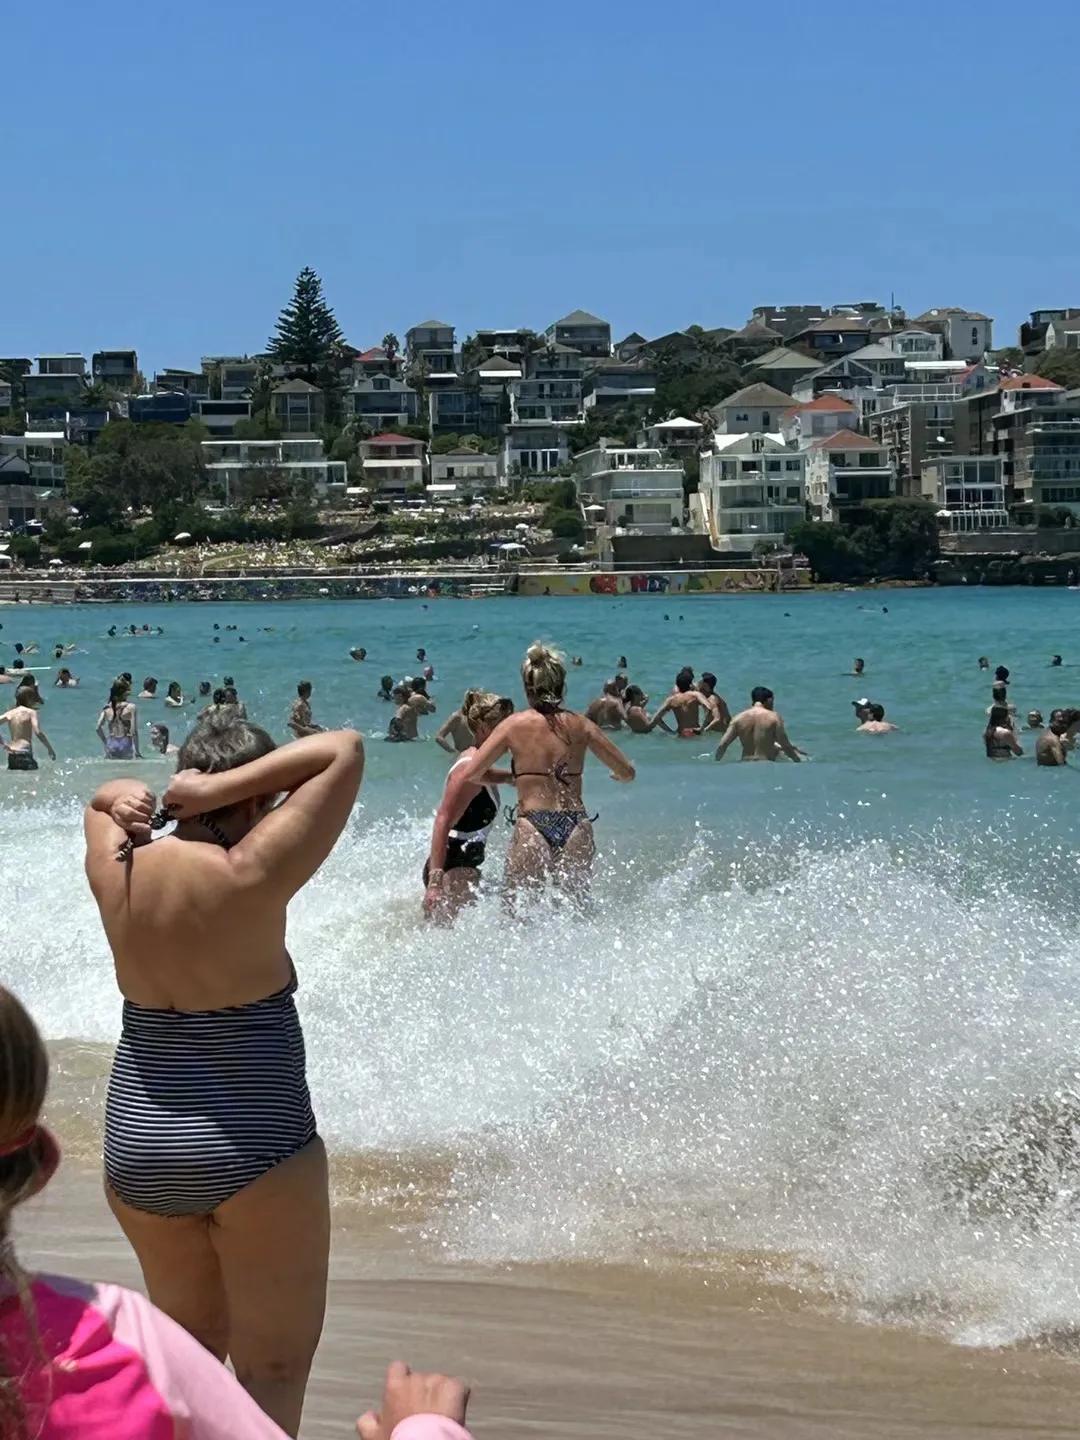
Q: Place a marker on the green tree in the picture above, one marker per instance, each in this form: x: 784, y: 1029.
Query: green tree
x: 261, y: 426
x: 1061, y: 366
x: 307, y: 338
x: 830, y: 550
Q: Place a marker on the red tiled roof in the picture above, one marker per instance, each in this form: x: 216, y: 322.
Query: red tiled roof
x: 376, y: 353
x: 1028, y: 382
x: 391, y: 439
x: 826, y: 402
x: 846, y: 440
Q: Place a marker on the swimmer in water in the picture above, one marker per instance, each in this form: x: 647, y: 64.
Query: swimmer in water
x: 553, y: 831
x: 465, y: 816
x: 117, y: 726
x: 455, y: 735
x: 149, y: 689
x: 358, y: 652
x: 300, y: 720
x: 719, y: 714
x: 577, y: 661
x: 622, y: 665
x: 984, y: 663
x: 999, y: 737
x: 420, y: 701
x: 1055, y: 662
x: 5, y: 678
x: 635, y: 701
x: 1050, y: 748
x: 760, y: 730
x: 1001, y: 675
x: 606, y: 710
x: 685, y: 704
x: 386, y: 688
x: 24, y: 729
x: 174, y: 696
x: 858, y: 667
x: 1035, y: 720
x: 403, y: 724
x: 65, y: 680
x: 421, y: 655
x: 204, y: 689
x: 876, y: 724
x: 159, y: 741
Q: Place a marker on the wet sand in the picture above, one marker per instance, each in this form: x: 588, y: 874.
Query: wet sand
x: 580, y: 1351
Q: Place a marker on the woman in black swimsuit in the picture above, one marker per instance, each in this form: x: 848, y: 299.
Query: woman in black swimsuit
x: 465, y: 816
x: 553, y: 835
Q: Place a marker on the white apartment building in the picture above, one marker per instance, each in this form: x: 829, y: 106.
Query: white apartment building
x: 300, y: 460
x: 752, y: 487
x: 847, y: 469
x: 969, y: 491
x: 629, y: 490
x: 36, y: 458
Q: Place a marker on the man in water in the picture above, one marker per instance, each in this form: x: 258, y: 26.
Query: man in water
x: 760, y: 730
x: 1050, y: 747
x: 685, y: 703
x: 858, y: 667
x: 862, y: 711
x: 1055, y: 662
x: 607, y: 709
x: 1001, y: 675
x: 876, y: 724
x: 719, y: 714
x: 301, y: 721
x: 1035, y: 720
x: 386, y: 688
x: 65, y: 680
x: 984, y: 663
x: 149, y: 690
x: 22, y: 723
x: 420, y: 702
x: 204, y: 689
x: 5, y: 678
x: 358, y: 652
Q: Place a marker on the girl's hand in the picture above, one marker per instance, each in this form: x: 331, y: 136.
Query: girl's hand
x: 186, y: 795
x: 133, y: 811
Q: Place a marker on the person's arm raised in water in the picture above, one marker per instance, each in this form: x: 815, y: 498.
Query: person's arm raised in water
x: 320, y: 776
x: 607, y: 751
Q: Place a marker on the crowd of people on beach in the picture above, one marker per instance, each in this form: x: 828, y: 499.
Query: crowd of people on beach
x: 215, y: 1170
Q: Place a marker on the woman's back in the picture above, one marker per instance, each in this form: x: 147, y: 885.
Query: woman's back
x: 548, y: 753
x: 118, y: 720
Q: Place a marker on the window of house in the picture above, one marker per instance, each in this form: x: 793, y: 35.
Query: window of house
x: 773, y: 467
x: 766, y: 419
x: 742, y: 418
x: 757, y: 445
x: 794, y: 493
x: 380, y: 384
x: 790, y: 465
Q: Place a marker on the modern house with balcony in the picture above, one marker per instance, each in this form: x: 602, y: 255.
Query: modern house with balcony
x: 220, y: 417
x: 915, y: 344
x: 752, y: 488
x: 21, y: 503
x: 429, y: 350
x: 69, y: 364
x: 610, y: 385
x: 298, y: 406
x: 36, y: 458
x: 678, y: 435
x: 115, y: 369
x: 788, y: 320
x: 551, y: 386
x: 968, y: 491
x: 1033, y: 330
x: 783, y: 369
x: 755, y: 409
x: 837, y: 335
x: 628, y: 490
x: 513, y: 345
x: 382, y: 402
x: 847, y: 470
x: 587, y: 334
x: 226, y: 462
x: 234, y: 375
x: 470, y: 406
x: 392, y: 464
x: 532, y: 448
x: 458, y: 473
x: 53, y: 384
x: 1036, y: 434
x: 195, y: 383
x: 1063, y: 333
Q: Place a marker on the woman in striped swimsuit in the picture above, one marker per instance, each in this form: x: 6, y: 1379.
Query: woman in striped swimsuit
x: 213, y: 1165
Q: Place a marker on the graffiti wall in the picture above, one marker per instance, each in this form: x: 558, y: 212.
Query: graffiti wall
x: 662, y: 582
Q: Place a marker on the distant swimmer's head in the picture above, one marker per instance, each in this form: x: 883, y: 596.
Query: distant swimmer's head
x: 485, y: 711
x: 622, y: 663
x: 419, y: 685
x: 159, y: 738
x: 219, y: 695
x: 19, y: 665
x: 28, y: 1153
x: 984, y: 663
x: 174, y: 691
x: 762, y: 695
x: 1002, y: 674
x: 1055, y: 660
x: 221, y: 743
x: 429, y: 672
x: 684, y: 680
x: 421, y: 655
x: 707, y: 684
x: 543, y: 674
x: 402, y: 693
x: 231, y: 697
x: 304, y: 689
x: 1059, y: 721
x: 204, y: 688
x: 859, y: 666
x: 877, y: 712
x: 358, y: 652
x: 634, y: 696
x: 387, y: 682
x: 150, y: 683
x: 228, y: 680
x: 1035, y: 720
x: 613, y: 688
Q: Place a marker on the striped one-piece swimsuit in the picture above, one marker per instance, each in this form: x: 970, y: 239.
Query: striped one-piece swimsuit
x: 203, y: 1102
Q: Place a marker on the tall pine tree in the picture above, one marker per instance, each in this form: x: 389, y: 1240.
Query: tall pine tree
x: 307, y: 337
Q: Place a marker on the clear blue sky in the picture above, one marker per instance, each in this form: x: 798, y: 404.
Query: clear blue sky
x: 168, y: 170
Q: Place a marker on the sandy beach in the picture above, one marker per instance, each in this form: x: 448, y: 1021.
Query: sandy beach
x: 578, y: 1351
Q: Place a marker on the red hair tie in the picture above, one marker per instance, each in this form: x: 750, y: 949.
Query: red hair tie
x: 20, y: 1142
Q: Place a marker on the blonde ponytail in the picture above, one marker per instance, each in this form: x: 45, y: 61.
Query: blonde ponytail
x: 543, y: 675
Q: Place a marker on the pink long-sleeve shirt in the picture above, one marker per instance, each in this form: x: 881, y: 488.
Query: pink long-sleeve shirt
x: 106, y: 1365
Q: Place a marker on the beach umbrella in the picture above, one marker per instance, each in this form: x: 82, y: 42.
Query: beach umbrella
x: 594, y: 509
x: 184, y: 535
x: 56, y: 562
x: 522, y: 526
x: 510, y: 545
x: 87, y: 545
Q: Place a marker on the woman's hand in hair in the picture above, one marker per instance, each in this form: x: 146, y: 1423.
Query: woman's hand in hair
x: 186, y: 795
x: 133, y: 811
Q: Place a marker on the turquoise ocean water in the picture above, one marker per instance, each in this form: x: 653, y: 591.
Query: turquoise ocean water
x: 827, y: 1015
